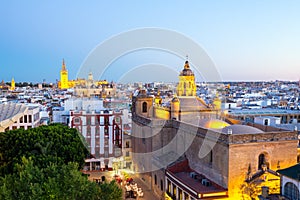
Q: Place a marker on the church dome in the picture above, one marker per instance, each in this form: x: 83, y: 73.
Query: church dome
x: 186, y: 71
x: 213, y: 124
x: 241, y: 129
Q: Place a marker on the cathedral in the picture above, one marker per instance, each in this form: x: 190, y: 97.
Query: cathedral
x: 86, y: 87
x: 186, y: 149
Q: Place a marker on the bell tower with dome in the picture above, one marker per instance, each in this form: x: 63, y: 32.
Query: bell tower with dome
x: 186, y: 85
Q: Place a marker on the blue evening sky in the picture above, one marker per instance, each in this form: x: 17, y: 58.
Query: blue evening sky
x: 247, y: 40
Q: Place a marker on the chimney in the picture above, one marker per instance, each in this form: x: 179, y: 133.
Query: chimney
x: 264, y: 191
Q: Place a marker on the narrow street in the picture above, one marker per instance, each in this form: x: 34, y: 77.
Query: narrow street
x: 148, y: 193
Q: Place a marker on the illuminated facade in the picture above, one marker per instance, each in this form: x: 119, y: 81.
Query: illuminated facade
x: 184, y: 106
x: 232, y: 160
x: 13, y: 85
x: 86, y: 88
x: 186, y: 85
x: 101, y: 128
x: 64, y: 79
x: 103, y: 133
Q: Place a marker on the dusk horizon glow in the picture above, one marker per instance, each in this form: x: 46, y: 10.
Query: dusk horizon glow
x: 247, y: 41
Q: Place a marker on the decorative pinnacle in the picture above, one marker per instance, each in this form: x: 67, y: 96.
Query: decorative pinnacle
x: 63, y: 65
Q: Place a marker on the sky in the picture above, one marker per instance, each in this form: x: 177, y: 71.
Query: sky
x: 246, y: 40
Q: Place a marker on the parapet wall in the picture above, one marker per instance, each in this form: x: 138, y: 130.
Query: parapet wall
x: 273, y: 134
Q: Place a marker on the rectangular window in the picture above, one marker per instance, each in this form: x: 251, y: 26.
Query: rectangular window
x: 97, y: 131
x: 36, y: 116
x: 21, y: 120
x: 88, y: 120
x: 25, y: 118
x: 106, y: 154
x: 106, y: 121
x: 76, y: 120
x: 127, y: 144
x: 97, y: 122
x: 97, y: 142
x: 29, y: 118
x: 88, y: 132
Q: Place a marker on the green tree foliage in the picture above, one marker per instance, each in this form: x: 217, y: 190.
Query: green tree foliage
x: 45, y: 144
x: 44, y: 162
x: 53, y: 182
x: 110, y: 191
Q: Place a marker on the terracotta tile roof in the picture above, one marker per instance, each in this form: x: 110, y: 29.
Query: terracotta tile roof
x: 187, y: 178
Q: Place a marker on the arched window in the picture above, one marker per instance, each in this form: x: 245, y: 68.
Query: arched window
x: 262, y: 160
x: 291, y: 191
x: 144, y: 109
x: 266, y: 122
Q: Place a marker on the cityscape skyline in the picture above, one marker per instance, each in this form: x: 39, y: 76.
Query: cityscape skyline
x: 247, y: 41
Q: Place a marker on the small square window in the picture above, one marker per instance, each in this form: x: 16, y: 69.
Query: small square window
x: 76, y: 120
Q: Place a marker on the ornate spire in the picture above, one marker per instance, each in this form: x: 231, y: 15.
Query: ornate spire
x: 186, y: 65
x: 63, y: 65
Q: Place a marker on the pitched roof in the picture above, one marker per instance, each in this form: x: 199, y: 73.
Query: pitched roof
x: 292, y: 172
x: 259, y: 173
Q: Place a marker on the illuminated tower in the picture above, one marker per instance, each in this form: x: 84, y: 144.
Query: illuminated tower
x: 186, y: 85
x: 64, y: 81
x: 13, y: 84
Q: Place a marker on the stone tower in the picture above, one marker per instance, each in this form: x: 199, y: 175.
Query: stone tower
x: 13, y: 85
x: 142, y: 104
x: 175, y: 108
x: 64, y: 80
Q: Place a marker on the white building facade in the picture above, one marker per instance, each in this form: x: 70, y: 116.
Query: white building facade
x: 290, y: 182
x: 30, y: 119
x: 101, y: 128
